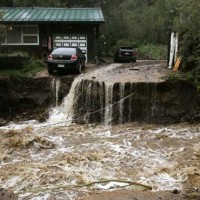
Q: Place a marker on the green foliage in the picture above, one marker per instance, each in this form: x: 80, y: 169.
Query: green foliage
x: 138, y: 21
x: 29, y: 3
x: 2, y: 27
x: 192, y: 76
x: 33, y: 66
x: 188, y: 25
x: 55, y: 3
x: 152, y: 51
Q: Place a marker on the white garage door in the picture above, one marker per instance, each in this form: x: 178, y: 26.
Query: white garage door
x: 71, y: 41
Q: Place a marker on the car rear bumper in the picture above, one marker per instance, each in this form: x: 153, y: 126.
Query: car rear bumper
x: 126, y: 59
x: 62, y: 65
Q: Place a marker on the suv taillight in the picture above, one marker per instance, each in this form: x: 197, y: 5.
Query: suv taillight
x: 50, y: 57
x: 74, y: 57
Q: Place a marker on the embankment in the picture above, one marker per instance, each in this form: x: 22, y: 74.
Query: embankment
x: 164, y: 102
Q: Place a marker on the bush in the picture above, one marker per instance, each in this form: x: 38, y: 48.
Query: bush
x: 153, y: 52
x: 33, y: 65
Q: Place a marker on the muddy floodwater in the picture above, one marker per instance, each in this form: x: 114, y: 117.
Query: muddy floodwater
x: 45, y: 161
x: 61, y: 160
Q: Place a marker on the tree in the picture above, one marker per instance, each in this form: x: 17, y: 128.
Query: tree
x: 2, y: 28
x: 7, y: 3
x: 188, y: 25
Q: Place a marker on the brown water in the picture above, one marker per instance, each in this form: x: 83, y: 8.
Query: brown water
x: 64, y: 161
x: 55, y: 162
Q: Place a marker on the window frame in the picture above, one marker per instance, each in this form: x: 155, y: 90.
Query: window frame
x: 23, y: 35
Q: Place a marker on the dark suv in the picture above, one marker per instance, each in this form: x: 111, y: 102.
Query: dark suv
x: 64, y: 58
x: 125, y: 54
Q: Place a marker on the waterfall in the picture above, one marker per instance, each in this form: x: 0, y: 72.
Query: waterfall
x: 108, y: 103
x: 88, y: 101
x: 88, y: 97
x: 101, y: 100
x: 130, y: 104
x: 91, y: 101
x: 55, y: 85
x: 121, y: 102
x: 64, y: 112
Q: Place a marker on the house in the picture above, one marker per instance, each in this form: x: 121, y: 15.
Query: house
x: 38, y: 30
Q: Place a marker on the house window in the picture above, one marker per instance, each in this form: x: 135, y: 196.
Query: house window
x: 21, y: 35
x: 14, y: 35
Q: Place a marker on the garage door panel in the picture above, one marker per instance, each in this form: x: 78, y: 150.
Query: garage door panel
x: 74, y: 44
x: 71, y: 41
x: 66, y: 44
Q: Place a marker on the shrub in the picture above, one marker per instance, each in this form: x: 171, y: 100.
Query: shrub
x: 32, y: 66
x: 152, y: 52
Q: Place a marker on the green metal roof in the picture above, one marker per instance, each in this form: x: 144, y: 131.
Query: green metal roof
x: 43, y: 14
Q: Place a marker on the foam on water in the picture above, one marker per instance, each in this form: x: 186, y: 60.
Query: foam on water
x: 111, y: 185
x: 64, y: 113
x: 86, y: 154
x: 162, y: 182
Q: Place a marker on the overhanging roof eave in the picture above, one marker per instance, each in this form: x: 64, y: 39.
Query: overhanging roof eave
x: 65, y: 15
x: 53, y: 22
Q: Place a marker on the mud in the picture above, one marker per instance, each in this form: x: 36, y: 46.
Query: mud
x: 141, y: 71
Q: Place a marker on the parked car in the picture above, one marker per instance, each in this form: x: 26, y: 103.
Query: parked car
x: 125, y: 54
x: 66, y: 58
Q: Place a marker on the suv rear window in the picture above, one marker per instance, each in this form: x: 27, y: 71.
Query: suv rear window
x: 126, y: 48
